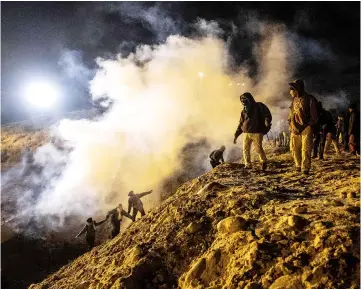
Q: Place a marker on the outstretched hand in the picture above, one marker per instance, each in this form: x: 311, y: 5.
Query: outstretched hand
x: 235, y: 140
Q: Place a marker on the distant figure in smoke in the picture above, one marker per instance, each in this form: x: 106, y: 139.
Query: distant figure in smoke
x: 339, y: 128
x: 302, y: 120
x: 217, y: 156
x: 89, y: 229
x: 330, y: 133
x: 354, y: 130
x: 136, y: 204
x: 116, y: 217
x: 255, y: 121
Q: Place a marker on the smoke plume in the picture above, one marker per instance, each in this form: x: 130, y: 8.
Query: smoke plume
x: 172, y: 104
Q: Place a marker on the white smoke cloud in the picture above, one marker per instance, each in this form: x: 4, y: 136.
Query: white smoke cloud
x: 164, y: 97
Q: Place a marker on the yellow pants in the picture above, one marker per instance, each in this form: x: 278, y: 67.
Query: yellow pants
x: 301, y: 147
x: 248, y: 139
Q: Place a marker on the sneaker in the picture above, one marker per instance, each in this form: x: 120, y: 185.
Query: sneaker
x: 264, y: 166
x: 248, y: 166
x: 298, y: 169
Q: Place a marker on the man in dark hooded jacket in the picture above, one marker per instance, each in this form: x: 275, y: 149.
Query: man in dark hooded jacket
x: 354, y: 130
x: 89, y: 229
x: 302, y: 120
x: 217, y: 156
x: 136, y: 204
x: 116, y: 217
x: 255, y: 121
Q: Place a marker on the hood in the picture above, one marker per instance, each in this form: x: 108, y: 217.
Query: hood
x: 248, y: 97
x: 298, y: 85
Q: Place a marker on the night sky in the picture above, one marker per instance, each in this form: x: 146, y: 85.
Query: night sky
x: 36, y: 36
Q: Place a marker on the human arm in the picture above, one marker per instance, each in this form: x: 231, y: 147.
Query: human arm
x: 100, y: 222
x: 239, y: 129
x: 130, y: 205
x: 144, y: 194
x: 124, y: 213
x: 81, y: 232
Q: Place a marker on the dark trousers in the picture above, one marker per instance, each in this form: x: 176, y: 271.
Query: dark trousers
x: 135, y: 212
x: 321, y: 146
x: 90, y: 241
x: 114, y: 232
x: 214, y: 163
x: 316, y: 144
x: 345, y: 139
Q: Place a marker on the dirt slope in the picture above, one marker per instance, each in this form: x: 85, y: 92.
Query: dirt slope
x: 237, y: 228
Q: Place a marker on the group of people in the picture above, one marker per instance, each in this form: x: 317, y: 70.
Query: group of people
x: 116, y: 217
x: 311, y: 127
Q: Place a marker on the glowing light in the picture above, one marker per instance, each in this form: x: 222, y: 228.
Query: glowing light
x: 243, y: 84
x: 238, y: 84
x: 201, y: 74
x: 230, y: 84
x: 41, y: 94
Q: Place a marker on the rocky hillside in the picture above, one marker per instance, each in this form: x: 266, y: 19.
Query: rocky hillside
x: 237, y: 228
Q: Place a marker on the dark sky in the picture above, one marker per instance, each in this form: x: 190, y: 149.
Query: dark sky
x: 35, y: 36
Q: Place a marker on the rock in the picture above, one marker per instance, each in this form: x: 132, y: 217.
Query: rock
x: 252, y: 285
x: 343, y: 195
x: 276, y: 237
x: 196, y: 270
x: 231, y: 225
x: 193, y: 227
x: 135, y: 254
x: 237, y: 212
x: 287, y: 282
x: 300, y: 210
x: 297, y: 222
x: 351, y: 195
x: 83, y: 285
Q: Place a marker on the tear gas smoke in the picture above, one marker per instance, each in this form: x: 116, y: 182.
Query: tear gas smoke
x: 160, y: 106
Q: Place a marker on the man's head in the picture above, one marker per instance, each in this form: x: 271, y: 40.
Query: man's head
x: 351, y: 107
x: 89, y: 220
x: 297, y: 87
x: 247, y: 100
x: 120, y: 207
x: 131, y: 193
x: 222, y: 148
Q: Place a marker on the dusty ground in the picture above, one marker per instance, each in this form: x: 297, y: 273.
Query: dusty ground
x: 237, y: 228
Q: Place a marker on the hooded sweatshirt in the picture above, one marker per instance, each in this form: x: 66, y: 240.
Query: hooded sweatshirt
x: 253, y: 119
x: 303, y: 110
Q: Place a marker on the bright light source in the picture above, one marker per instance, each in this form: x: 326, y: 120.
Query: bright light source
x: 41, y: 94
x: 230, y: 84
x: 200, y: 74
x: 238, y: 84
x: 243, y: 84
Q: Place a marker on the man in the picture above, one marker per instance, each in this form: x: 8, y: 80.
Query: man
x: 302, y: 119
x: 217, y: 156
x: 317, y: 130
x: 354, y: 130
x: 345, y: 136
x: 255, y: 121
x: 135, y: 203
x: 116, y: 217
x: 330, y: 133
x: 339, y: 127
x: 89, y: 229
